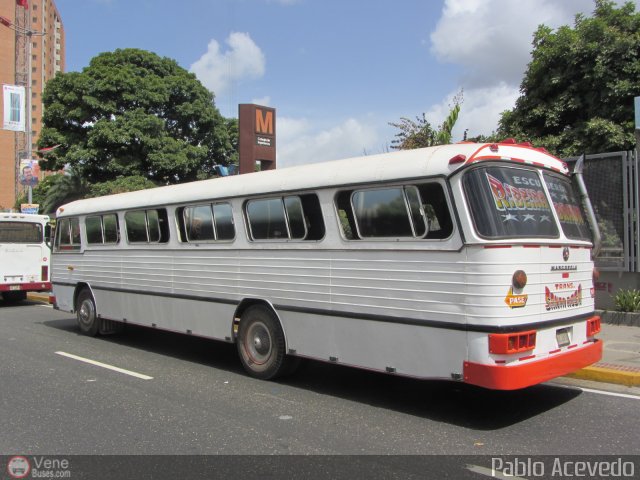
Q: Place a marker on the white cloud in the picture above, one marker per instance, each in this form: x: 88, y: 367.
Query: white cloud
x: 491, y: 39
x: 264, y: 101
x: 218, y: 70
x: 299, y: 142
x: 479, y: 112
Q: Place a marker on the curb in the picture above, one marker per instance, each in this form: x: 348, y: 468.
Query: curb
x: 629, y: 319
x: 38, y: 296
x: 609, y: 373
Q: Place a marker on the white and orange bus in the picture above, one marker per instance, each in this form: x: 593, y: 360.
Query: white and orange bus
x: 24, y: 255
x: 468, y: 262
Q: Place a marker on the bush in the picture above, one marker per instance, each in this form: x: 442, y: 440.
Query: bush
x: 627, y: 300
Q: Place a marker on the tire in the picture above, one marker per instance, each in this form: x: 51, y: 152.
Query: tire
x: 14, y: 296
x: 86, y: 314
x: 261, y: 344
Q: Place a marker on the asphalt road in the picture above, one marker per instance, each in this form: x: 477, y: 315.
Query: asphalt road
x: 199, y: 401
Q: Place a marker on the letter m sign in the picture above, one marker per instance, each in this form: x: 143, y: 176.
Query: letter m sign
x: 264, y: 121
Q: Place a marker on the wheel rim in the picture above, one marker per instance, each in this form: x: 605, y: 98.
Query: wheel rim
x: 258, y: 343
x: 85, y: 313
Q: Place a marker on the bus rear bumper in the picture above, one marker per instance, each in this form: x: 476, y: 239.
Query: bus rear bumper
x: 26, y: 287
x: 513, y: 377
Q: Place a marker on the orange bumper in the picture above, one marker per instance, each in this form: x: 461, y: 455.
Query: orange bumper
x: 512, y: 377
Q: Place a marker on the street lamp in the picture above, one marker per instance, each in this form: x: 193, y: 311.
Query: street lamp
x: 29, y: 34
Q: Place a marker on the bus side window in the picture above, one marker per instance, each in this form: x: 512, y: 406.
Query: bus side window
x: 68, y: 234
x: 93, y: 229
x: 345, y: 215
x: 312, y: 216
x: 434, y: 202
x: 292, y: 217
x: 223, y: 218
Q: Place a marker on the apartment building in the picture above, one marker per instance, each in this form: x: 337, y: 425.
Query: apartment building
x: 32, y: 51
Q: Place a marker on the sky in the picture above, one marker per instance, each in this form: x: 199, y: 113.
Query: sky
x: 336, y: 71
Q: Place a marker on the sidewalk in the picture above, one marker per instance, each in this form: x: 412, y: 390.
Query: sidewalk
x: 620, y: 358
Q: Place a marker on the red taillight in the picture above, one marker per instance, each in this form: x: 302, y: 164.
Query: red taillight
x: 506, y: 343
x: 45, y: 273
x: 593, y: 326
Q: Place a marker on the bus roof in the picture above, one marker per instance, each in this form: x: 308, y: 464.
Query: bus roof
x: 23, y: 217
x: 404, y: 164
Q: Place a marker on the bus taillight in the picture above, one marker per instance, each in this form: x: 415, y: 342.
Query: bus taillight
x: 506, y: 343
x: 519, y: 279
x: 45, y: 273
x: 593, y: 326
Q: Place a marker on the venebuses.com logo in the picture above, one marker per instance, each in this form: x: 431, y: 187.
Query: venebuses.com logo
x: 20, y: 466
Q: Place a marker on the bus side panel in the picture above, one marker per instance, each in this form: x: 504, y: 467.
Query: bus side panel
x: 420, y: 352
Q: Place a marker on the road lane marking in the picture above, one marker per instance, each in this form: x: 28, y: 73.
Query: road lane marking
x: 105, y: 365
x: 611, y: 394
x: 600, y: 392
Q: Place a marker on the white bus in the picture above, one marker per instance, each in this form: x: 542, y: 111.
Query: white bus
x: 469, y: 262
x: 24, y: 255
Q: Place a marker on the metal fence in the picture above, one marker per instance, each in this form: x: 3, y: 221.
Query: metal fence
x: 612, y: 185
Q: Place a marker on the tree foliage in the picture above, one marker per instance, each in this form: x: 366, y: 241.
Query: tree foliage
x: 577, y: 93
x: 133, y: 113
x: 420, y: 133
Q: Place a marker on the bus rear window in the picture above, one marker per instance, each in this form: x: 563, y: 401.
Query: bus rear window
x: 20, y: 232
x: 507, y: 202
x: 568, y: 207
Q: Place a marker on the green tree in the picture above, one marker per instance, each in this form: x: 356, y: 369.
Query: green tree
x: 420, y: 133
x: 61, y: 189
x: 133, y: 113
x: 577, y: 92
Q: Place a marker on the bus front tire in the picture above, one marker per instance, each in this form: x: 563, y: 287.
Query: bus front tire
x: 261, y: 345
x: 87, y: 317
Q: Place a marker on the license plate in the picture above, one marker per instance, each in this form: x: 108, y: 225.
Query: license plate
x: 14, y: 287
x: 562, y: 337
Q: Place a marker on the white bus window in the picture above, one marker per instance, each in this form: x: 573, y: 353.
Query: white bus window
x: 102, y: 229
x: 111, y: 228
x: 199, y: 223
x: 295, y: 216
x: 148, y: 226
x: 507, y: 202
x: 382, y: 213
x: 568, y: 207
x: 136, y: 223
x: 417, y: 213
x: 68, y: 234
x: 223, y: 217
x: 93, y: 227
x: 437, y: 211
x: 267, y: 220
x: 20, y: 232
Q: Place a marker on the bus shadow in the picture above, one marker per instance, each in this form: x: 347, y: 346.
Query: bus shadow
x: 439, y: 400
x: 443, y: 401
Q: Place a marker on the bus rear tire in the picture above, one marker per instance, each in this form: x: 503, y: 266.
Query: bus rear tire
x: 261, y: 344
x: 88, y: 320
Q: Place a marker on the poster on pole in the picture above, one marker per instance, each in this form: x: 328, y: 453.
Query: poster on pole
x: 14, y: 113
x: 29, y: 173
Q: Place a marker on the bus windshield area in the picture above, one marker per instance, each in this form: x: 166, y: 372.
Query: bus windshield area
x: 511, y: 202
x: 20, y: 232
